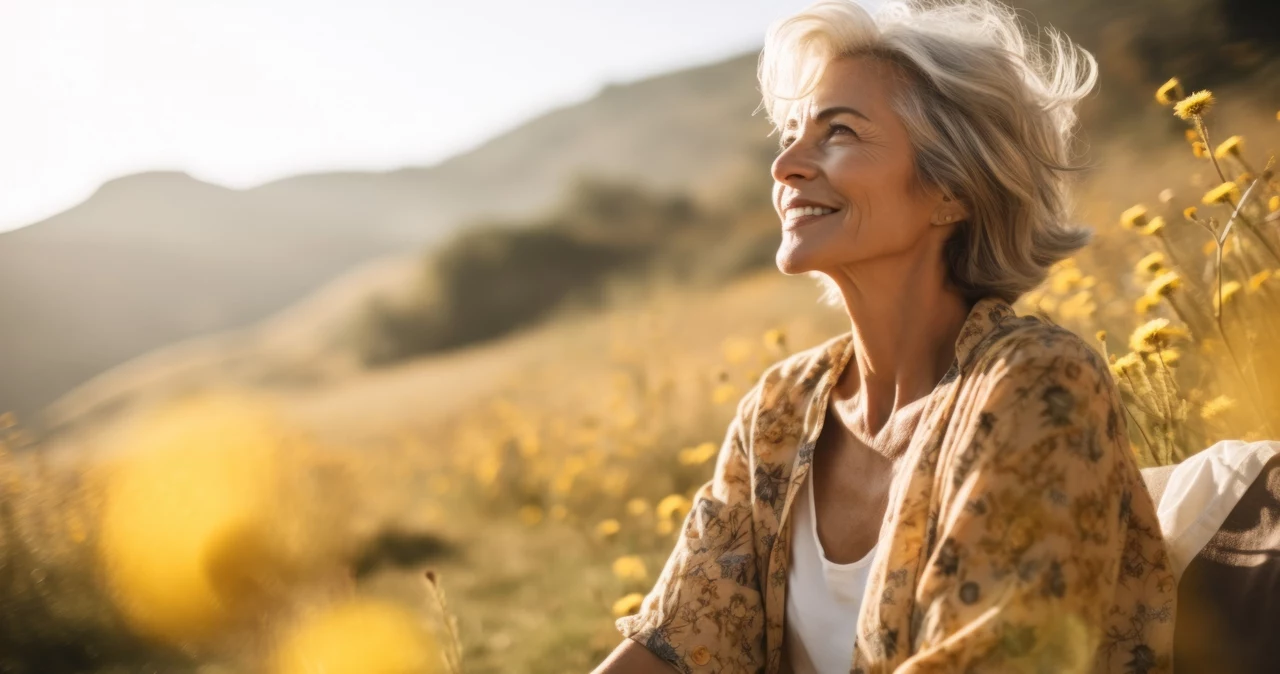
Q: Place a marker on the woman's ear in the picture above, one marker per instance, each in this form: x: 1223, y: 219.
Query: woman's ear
x: 948, y: 212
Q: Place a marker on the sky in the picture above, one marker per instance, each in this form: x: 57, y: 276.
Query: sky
x: 241, y: 92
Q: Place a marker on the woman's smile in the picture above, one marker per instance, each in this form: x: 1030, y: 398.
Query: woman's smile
x: 800, y: 220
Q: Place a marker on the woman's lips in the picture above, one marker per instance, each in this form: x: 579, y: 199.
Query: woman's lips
x: 805, y: 219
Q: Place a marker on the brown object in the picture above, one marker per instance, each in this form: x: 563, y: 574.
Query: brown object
x: 1228, y: 615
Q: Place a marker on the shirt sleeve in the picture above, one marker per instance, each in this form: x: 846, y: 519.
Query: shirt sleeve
x: 1048, y: 553
x: 705, y: 611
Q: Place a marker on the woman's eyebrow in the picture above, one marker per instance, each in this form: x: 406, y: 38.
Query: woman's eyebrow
x: 793, y: 123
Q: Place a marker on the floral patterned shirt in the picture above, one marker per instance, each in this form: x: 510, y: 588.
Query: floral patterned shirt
x: 1019, y: 535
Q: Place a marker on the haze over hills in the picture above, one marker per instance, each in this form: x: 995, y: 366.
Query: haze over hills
x: 157, y: 257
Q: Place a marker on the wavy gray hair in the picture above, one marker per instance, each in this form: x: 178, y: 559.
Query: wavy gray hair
x: 990, y: 118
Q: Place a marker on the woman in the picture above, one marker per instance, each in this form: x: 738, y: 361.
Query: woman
x: 971, y: 473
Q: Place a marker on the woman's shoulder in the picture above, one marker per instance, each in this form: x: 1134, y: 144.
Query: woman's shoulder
x: 1024, y: 341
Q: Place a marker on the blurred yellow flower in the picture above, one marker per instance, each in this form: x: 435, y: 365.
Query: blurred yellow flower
x: 1134, y: 216
x: 1229, y: 146
x: 637, y: 507
x: 1195, y: 104
x: 1229, y: 289
x: 628, y: 605
x: 1191, y: 135
x: 1273, y: 204
x: 664, y: 527
x: 1164, y: 284
x: 607, y: 528
x: 724, y: 393
x: 698, y: 455
x: 1145, y: 303
x: 1189, y: 213
x: 1256, y: 281
x: 530, y: 515
x: 1169, y: 92
x: 675, y: 505
x: 1222, y: 194
x: 1153, y: 226
x: 630, y: 568
x: 1126, y: 363
x: 1168, y: 356
x: 1101, y: 335
x: 363, y: 636
x: 1199, y: 150
x: 775, y: 338
x: 1216, y: 407
x: 1154, y: 334
x: 1062, y: 281
x: 1151, y: 263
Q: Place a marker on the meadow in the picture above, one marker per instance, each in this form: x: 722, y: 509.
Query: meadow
x: 495, y: 511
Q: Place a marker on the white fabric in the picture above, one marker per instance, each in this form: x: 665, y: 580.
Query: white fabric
x: 823, y: 598
x: 1202, y: 491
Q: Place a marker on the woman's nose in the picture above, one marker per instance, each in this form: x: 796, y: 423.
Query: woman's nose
x: 793, y: 164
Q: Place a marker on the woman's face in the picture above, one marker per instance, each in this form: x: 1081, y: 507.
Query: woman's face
x: 843, y: 147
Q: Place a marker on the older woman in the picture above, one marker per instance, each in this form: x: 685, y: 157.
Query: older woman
x: 973, y: 504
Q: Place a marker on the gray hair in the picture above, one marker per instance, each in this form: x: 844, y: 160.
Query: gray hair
x: 989, y: 115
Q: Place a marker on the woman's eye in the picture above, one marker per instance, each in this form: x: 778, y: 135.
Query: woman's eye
x: 834, y: 127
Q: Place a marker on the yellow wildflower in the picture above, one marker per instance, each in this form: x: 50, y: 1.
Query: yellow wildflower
x: 628, y: 605
x: 1164, y: 284
x: 1154, y: 226
x: 1064, y: 280
x: 630, y: 567
x: 637, y: 507
x: 1134, y: 216
x: 1145, y: 303
x: 1151, y: 263
x: 1256, y: 281
x: 698, y: 455
x: 1200, y: 150
x: 608, y: 528
x: 1216, y: 407
x: 1273, y: 204
x: 1189, y: 213
x: 1229, y: 289
x: 1154, y: 334
x: 674, y: 505
x: 1101, y: 335
x: 1192, y: 135
x: 1126, y: 363
x: 1193, y: 105
x: 1229, y: 146
x: 1169, y: 92
x: 1168, y: 356
x: 1222, y: 194
x: 775, y: 338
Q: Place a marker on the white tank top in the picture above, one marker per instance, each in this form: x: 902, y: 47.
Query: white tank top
x: 823, y: 598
